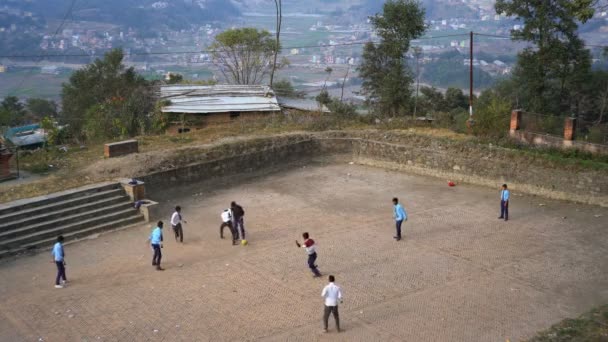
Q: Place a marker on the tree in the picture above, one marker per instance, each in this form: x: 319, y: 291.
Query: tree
x: 285, y: 88
x: 41, y: 108
x: 174, y: 78
x: 244, y: 55
x: 551, y: 73
x: 386, y: 77
x: 454, y: 99
x: 13, y: 111
x: 106, y: 91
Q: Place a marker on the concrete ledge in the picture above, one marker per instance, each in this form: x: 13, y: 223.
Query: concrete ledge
x: 120, y: 148
x: 150, y: 210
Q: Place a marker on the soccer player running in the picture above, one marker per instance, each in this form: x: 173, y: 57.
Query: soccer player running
x: 311, y: 250
x: 156, y: 241
x: 176, y: 224
x: 400, y: 215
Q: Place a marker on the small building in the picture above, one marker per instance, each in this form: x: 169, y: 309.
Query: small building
x: 195, y: 106
x: 28, y: 137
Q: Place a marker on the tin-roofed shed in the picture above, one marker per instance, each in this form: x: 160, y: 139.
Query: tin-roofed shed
x: 216, y: 104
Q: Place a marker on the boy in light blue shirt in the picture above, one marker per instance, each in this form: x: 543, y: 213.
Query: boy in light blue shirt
x: 504, y: 202
x: 156, y: 241
x: 400, y: 215
x: 59, y: 260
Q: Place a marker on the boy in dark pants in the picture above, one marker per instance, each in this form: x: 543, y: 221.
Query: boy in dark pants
x: 156, y: 241
x: 311, y: 250
x: 59, y: 260
x: 176, y: 223
x: 505, y: 194
x: 332, y: 295
x: 227, y: 222
x: 238, y: 216
x: 399, y: 215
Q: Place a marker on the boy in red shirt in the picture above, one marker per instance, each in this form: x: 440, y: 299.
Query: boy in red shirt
x: 311, y: 250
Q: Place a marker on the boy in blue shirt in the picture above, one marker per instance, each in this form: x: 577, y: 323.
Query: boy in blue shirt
x: 59, y: 260
x: 400, y: 215
x: 504, y: 202
x: 156, y: 241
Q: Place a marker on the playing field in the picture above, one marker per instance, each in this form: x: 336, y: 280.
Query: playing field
x: 460, y: 274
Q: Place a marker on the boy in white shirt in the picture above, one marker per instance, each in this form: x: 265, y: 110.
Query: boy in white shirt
x: 227, y: 218
x: 332, y: 294
x: 176, y: 224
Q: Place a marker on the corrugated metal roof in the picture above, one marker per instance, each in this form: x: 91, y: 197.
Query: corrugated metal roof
x: 218, y: 99
x: 303, y: 104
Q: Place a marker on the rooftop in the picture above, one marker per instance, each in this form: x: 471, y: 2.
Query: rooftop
x: 219, y: 98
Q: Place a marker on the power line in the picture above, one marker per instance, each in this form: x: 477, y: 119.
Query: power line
x: 158, y: 53
x: 41, y: 56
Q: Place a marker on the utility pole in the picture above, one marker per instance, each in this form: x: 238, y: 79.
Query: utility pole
x: 470, y: 121
x: 279, y: 20
x: 417, y: 53
x: 471, y: 77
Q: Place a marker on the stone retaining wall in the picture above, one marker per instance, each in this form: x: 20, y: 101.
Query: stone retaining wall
x: 448, y: 159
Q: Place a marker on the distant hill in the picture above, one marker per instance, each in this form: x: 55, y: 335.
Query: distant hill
x: 149, y: 14
x: 435, y: 9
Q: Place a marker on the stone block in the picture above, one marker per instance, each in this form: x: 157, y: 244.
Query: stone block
x: 135, y: 191
x: 120, y: 148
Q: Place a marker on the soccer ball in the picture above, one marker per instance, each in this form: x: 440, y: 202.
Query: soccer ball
x: 244, y: 242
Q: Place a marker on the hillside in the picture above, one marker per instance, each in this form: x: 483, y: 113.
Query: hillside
x: 136, y: 14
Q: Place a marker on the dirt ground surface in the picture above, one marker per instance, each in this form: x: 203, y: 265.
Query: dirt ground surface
x: 460, y: 274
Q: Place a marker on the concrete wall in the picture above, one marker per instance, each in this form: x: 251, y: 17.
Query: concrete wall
x: 448, y: 159
x: 241, y: 157
x: 544, y: 140
x: 469, y: 162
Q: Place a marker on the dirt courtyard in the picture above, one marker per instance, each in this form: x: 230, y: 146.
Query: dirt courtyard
x: 459, y: 274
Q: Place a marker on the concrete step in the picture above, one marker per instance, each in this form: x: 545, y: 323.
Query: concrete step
x: 59, y: 204
x: 30, y: 203
x: 74, y: 235
x: 22, y: 236
x: 78, y: 206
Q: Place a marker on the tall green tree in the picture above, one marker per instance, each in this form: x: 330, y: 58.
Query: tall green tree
x: 386, y: 77
x: 106, y: 84
x: 41, y: 108
x: 550, y: 73
x: 12, y: 111
x: 244, y: 55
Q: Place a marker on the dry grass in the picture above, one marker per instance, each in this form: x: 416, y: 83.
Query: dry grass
x: 74, y: 168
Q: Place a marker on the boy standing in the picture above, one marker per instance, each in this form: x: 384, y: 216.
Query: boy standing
x: 59, y: 260
x: 332, y: 295
x: 176, y: 224
x: 400, y: 215
x: 156, y: 241
x: 505, y: 194
x: 227, y: 222
x: 311, y: 250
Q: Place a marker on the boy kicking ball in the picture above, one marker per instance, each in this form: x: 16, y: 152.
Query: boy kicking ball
x: 311, y: 250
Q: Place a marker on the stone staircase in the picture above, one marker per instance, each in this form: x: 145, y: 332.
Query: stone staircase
x: 36, y: 223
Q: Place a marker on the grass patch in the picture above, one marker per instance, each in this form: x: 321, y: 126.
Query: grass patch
x: 589, y: 327
x: 68, y: 168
